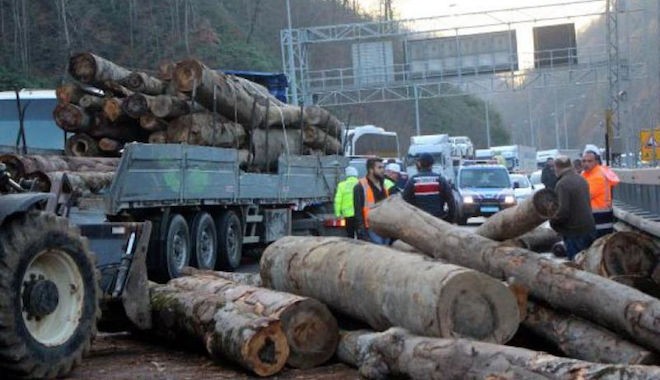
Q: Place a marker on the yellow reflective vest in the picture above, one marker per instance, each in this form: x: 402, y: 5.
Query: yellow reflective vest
x: 344, y: 198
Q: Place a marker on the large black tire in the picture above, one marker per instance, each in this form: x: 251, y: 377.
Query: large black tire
x: 204, y: 239
x: 49, y: 297
x: 230, y: 240
x: 174, y: 251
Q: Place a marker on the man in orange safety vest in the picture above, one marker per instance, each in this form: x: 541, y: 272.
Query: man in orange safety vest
x: 368, y: 191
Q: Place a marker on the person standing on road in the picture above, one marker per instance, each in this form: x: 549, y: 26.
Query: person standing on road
x: 430, y: 191
x: 344, y: 207
x: 573, y: 220
x: 601, y: 180
x: 548, y: 177
x: 366, y: 193
x: 393, y: 178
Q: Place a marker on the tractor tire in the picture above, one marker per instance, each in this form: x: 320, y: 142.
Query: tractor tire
x: 49, y: 297
x: 230, y: 240
x: 204, y: 241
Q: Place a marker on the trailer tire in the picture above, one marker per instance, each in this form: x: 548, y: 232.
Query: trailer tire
x: 230, y: 240
x: 204, y: 239
x: 49, y: 297
x: 175, y: 250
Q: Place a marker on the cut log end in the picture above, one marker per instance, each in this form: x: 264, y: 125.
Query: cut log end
x: 82, y: 66
x: 187, y: 74
x: 546, y: 202
x: 266, y: 352
x: 70, y: 117
x: 617, y: 257
x: 312, y: 333
x: 82, y: 145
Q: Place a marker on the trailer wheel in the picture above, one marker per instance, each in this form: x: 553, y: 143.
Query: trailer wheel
x: 48, y: 297
x: 174, y: 251
x: 230, y: 240
x: 204, y: 240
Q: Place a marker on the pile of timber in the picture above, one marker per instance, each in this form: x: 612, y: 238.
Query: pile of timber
x: 186, y: 102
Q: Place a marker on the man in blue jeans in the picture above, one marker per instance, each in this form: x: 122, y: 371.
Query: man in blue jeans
x: 574, y: 220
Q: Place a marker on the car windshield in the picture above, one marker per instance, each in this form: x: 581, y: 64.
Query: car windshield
x: 521, y: 179
x: 484, y: 177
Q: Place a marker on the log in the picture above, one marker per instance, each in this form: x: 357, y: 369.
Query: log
x: 117, y: 89
x: 252, y: 279
x: 424, y: 296
x: 256, y: 343
x: 109, y: 145
x: 21, y: 165
x: 81, y: 145
x: 315, y: 138
x: 620, y: 254
x: 268, y: 145
x: 235, y: 98
x: 158, y: 137
x: 163, y: 106
x: 136, y: 105
x: 112, y: 109
x: 396, y: 353
x: 311, y: 330
x: 69, y: 93
x: 91, y: 69
x: 618, y: 307
x: 144, y: 83
x: 323, y: 119
x: 522, y: 218
x: 540, y: 239
x: 152, y: 123
x: 165, y: 70
x: 71, y: 117
x: 206, y: 129
x: 580, y: 339
x: 91, y: 102
x: 82, y: 182
x: 124, y: 131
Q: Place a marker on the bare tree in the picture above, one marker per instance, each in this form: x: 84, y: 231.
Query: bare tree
x: 253, y: 21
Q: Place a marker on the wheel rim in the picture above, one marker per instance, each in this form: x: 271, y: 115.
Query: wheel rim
x: 206, y: 247
x: 179, y: 250
x: 60, y: 324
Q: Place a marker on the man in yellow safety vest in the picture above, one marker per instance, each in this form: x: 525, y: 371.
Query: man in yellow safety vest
x: 344, y: 207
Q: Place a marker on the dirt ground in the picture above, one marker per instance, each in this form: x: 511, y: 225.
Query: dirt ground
x: 124, y: 356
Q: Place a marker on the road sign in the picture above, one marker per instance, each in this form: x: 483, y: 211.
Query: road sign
x: 650, y: 142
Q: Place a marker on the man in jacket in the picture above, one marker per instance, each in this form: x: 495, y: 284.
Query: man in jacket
x: 393, y: 178
x: 429, y: 191
x: 548, y: 177
x: 600, y: 180
x: 573, y: 220
x: 369, y: 191
x: 344, y: 207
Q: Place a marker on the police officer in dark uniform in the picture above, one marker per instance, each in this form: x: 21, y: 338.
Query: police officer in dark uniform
x: 430, y: 191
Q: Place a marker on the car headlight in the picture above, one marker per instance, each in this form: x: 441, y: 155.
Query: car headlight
x: 509, y: 199
x: 468, y: 199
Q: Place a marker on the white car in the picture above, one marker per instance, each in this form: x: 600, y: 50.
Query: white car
x: 522, y: 188
x: 535, y: 179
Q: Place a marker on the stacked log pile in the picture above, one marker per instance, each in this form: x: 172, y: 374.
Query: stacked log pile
x: 187, y: 102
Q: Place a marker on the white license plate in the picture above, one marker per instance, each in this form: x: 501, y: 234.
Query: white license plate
x: 490, y: 209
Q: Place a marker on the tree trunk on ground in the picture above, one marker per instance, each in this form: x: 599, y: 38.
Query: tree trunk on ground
x: 69, y: 93
x: 595, y: 298
x: 311, y: 330
x: 109, y: 145
x: 357, y: 279
x: 152, y: 123
x: 20, y: 165
x: 315, y: 138
x: 81, y: 145
x: 72, y: 118
x: 620, y: 253
x: 91, y: 69
x: 397, y: 353
x: 251, y: 279
x: 234, y: 98
x: 256, y: 343
x: 91, y: 102
x: 522, y: 218
x: 580, y: 339
x: 269, y: 144
x: 206, y: 129
x: 540, y: 239
x: 144, y: 83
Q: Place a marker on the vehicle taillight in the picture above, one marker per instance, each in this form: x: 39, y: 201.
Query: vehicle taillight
x: 337, y: 223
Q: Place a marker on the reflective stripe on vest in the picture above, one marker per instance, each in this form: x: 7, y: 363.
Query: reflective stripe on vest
x: 369, y: 199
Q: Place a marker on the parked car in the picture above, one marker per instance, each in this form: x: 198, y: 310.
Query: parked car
x: 483, y: 191
x: 522, y: 187
x: 535, y: 179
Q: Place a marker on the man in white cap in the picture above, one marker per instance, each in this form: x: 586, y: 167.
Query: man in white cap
x: 393, y: 178
x: 344, y: 207
x: 601, y: 180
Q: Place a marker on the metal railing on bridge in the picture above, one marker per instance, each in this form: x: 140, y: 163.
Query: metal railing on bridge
x: 637, y: 199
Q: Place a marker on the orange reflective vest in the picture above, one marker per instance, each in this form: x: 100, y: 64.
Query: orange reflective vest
x: 369, y: 199
x: 600, y: 188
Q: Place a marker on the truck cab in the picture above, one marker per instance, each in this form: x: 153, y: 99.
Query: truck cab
x: 483, y: 191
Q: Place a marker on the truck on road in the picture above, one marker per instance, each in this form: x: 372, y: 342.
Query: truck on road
x: 518, y: 158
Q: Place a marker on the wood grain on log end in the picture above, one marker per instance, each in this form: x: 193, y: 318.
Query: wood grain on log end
x: 135, y: 105
x: 112, y: 108
x: 187, y: 73
x: 82, y: 66
x: 546, y: 203
x: 70, y: 117
x: 81, y: 145
x: 152, y: 123
x: 68, y: 93
x: 107, y: 144
x: 267, y: 350
x: 620, y: 253
x: 158, y: 137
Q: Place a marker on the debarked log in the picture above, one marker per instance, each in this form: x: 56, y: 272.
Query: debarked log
x: 581, y: 339
x: 256, y: 343
x: 311, y: 330
x: 252, y: 279
x: 315, y: 138
x: 268, y: 144
x: 540, y: 239
x: 396, y: 353
x: 384, y: 287
x: 521, y: 218
x: 605, y: 302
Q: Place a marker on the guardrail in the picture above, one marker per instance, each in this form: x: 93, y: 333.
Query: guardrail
x: 637, y: 199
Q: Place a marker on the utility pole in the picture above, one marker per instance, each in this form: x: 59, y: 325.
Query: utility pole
x: 487, y: 124
x: 292, y: 64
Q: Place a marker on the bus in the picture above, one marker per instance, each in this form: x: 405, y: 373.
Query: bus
x: 41, y: 134
x: 369, y: 140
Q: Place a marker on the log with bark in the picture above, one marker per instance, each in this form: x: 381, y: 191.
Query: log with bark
x: 72, y: 118
x: 82, y: 145
x: 203, y: 319
x: 109, y: 145
x: 144, y: 83
x: 311, y: 330
x: 252, y: 279
x: 359, y: 280
x: 152, y: 123
x: 521, y: 218
x: 91, y: 102
x: 396, y: 353
x: 163, y: 106
x: 82, y: 182
x: 315, y: 138
x: 20, y: 165
x: 540, y: 239
x: 112, y: 109
x: 322, y: 118
x: 158, y: 137
x: 620, y: 254
x: 91, y: 69
x: 69, y: 93
x: 206, y: 129
x: 605, y: 302
x: 581, y: 339
x: 268, y: 144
